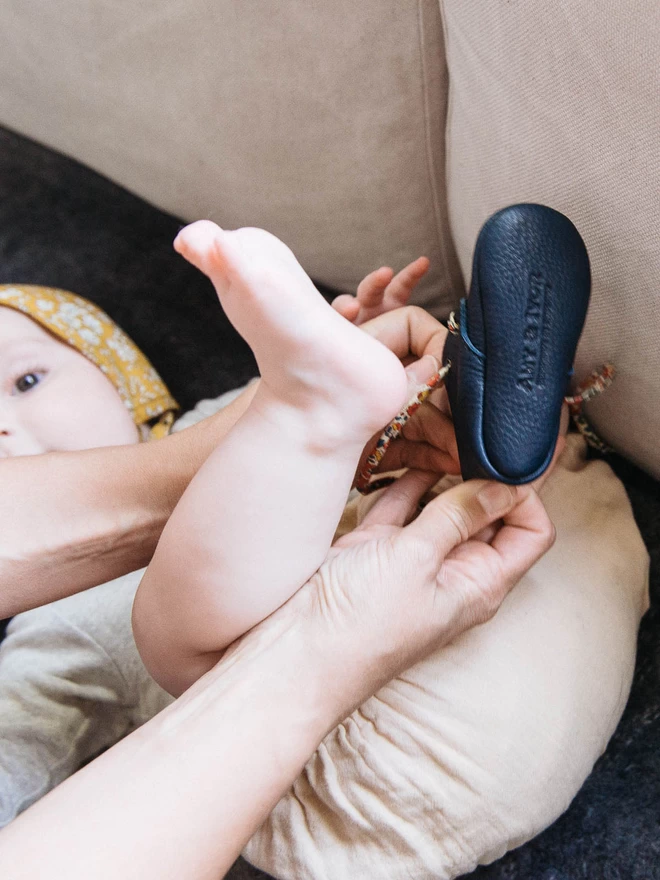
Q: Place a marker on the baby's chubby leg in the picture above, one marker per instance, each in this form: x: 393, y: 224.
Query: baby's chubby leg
x: 259, y: 516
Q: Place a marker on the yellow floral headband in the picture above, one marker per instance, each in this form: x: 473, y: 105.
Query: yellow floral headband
x: 87, y: 328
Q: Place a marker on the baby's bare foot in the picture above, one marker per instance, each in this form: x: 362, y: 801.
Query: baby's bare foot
x: 345, y: 383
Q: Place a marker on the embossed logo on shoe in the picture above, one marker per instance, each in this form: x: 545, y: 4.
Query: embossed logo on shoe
x: 529, y: 368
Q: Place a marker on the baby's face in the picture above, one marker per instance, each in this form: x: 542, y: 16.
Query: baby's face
x: 52, y: 398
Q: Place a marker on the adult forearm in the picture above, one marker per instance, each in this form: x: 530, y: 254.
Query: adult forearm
x: 180, y: 797
x: 69, y: 521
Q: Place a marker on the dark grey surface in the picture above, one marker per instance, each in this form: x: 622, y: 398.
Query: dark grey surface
x: 62, y: 225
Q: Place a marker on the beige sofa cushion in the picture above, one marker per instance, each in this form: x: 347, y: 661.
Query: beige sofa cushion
x: 322, y: 122
x: 480, y: 747
x: 558, y: 103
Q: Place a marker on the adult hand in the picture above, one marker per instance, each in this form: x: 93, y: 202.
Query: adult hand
x: 380, y: 308
x: 215, y: 762
x: 428, y: 441
x: 390, y: 593
x: 381, y: 291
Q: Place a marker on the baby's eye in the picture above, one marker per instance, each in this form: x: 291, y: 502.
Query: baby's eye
x: 28, y: 381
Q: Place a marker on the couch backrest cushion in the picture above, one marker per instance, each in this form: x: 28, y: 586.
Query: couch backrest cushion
x: 323, y: 123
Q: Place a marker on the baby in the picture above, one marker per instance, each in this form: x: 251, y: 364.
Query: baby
x: 71, y: 378
x: 233, y: 551
x: 71, y: 681
x: 75, y: 406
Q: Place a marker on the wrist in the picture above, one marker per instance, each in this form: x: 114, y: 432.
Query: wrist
x: 229, y: 749
x: 313, y: 670
x: 278, y: 667
x: 247, y: 727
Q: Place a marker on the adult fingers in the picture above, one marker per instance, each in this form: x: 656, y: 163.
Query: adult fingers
x: 477, y: 576
x: 347, y: 306
x: 427, y: 443
x: 490, y: 531
x: 409, y: 331
x: 419, y: 456
x: 371, y: 289
x: 526, y: 534
x: 462, y: 512
x: 400, y: 288
x: 430, y: 425
x: 399, y: 502
x: 420, y: 372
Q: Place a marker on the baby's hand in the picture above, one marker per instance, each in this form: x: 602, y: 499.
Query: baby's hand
x: 381, y: 291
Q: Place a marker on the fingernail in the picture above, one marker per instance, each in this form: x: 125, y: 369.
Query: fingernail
x: 422, y: 370
x: 495, y: 498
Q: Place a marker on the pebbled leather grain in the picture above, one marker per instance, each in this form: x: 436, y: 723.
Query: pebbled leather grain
x: 519, y: 329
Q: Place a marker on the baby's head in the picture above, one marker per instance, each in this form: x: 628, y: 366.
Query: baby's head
x: 70, y: 379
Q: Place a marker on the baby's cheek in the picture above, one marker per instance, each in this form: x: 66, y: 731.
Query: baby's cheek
x: 106, y: 419
x: 81, y: 409
x: 102, y: 420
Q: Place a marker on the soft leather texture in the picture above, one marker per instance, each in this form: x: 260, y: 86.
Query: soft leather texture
x: 519, y: 328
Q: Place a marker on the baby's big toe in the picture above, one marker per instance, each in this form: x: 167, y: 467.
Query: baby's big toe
x: 197, y: 242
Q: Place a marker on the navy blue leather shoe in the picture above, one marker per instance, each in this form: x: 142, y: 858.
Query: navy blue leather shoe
x: 512, y: 352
